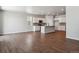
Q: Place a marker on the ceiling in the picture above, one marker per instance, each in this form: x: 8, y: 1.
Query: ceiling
x: 40, y: 10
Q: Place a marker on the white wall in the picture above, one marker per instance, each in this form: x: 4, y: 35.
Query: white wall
x: 1, y: 22
x: 14, y: 22
x: 72, y: 22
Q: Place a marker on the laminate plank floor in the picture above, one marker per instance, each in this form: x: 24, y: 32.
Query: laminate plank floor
x: 35, y: 42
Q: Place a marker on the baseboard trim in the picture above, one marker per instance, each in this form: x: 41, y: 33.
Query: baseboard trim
x: 14, y: 33
x: 72, y: 38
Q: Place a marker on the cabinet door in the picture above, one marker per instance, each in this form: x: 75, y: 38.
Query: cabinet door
x: 30, y: 20
x: 35, y: 20
x: 50, y: 20
x: 62, y: 20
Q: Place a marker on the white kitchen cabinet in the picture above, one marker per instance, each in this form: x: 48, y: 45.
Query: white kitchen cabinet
x: 47, y: 29
x: 49, y: 20
x: 61, y: 28
x: 30, y: 20
x: 36, y: 28
x: 35, y: 20
x: 60, y: 23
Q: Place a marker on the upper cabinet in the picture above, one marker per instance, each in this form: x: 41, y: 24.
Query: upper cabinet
x: 49, y: 20
x: 36, y: 19
x: 30, y: 20
x: 61, y: 18
x: 60, y: 22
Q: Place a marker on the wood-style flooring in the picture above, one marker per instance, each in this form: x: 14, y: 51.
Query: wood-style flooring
x: 35, y: 42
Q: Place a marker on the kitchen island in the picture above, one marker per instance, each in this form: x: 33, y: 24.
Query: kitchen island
x: 47, y: 29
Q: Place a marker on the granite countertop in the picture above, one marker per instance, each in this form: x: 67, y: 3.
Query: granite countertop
x: 39, y: 24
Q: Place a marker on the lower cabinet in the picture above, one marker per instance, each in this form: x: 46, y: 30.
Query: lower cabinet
x: 47, y: 29
x: 36, y: 28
